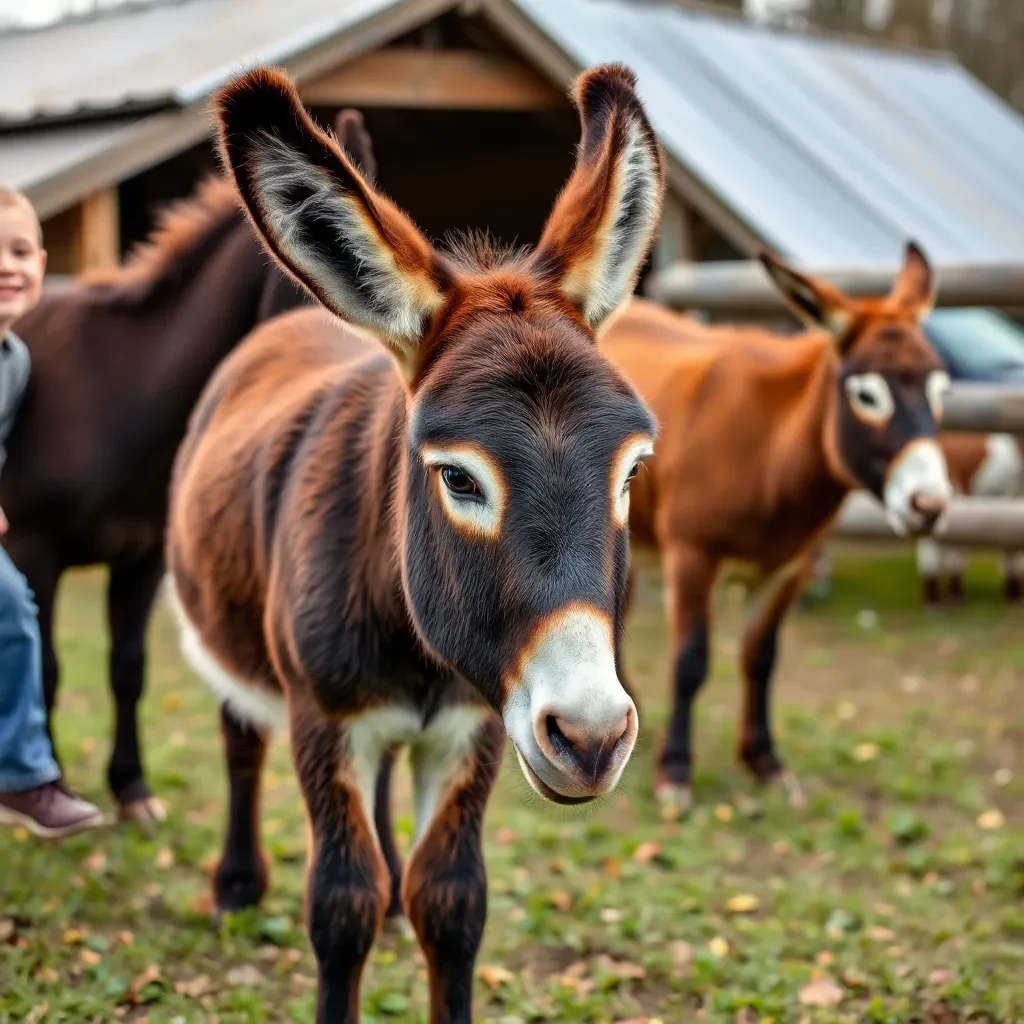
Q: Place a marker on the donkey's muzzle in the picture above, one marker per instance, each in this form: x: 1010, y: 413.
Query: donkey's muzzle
x: 571, y: 722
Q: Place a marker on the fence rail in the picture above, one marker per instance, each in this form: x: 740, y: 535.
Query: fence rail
x: 994, y: 523
x: 741, y: 287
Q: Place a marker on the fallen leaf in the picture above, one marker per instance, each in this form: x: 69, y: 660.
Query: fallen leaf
x: 193, y: 988
x: 991, y: 819
x: 560, y: 900
x: 743, y: 903
x: 941, y: 976
x: 146, y: 977
x: 124, y: 938
x: 823, y: 992
x: 682, y: 953
x: 90, y: 957
x: 96, y: 861
x: 646, y: 852
x: 723, y: 812
x: 164, y: 859
x: 37, y: 1013
x: 47, y: 974
x: 719, y: 947
x: 244, y: 976
x: 7, y: 931
x: 847, y: 711
x: 505, y: 836
x: 559, y: 866
x: 610, y: 915
x: 494, y: 976
x: 171, y: 701
x: 880, y: 934
x: 73, y: 936
x: 865, y: 752
x: 622, y: 969
x: 824, y: 958
x: 612, y: 867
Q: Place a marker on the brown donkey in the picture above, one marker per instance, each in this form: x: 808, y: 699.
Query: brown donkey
x: 118, y: 362
x: 761, y: 439
x: 417, y: 546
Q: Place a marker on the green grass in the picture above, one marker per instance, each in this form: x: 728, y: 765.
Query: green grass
x: 886, y: 896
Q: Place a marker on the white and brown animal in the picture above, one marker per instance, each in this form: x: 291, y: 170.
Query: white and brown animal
x: 761, y: 439
x: 985, y: 465
x: 419, y: 540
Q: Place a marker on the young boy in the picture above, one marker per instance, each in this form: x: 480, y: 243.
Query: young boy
x: 31, y: 793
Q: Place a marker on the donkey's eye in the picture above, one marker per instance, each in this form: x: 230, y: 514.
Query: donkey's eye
x: 631, y: 475
x: 460, y: 483
x: 870, y: 397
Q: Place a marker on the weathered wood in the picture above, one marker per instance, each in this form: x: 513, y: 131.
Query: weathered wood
x: 456, y: 79
x: 98, y: 231
x: 741, y: 287
x: 984, y: 408
x: 995, y: 523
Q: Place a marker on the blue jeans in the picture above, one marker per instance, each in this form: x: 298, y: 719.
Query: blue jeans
x: 26, y: 757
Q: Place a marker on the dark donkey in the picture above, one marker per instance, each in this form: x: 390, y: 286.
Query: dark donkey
x: 118, y: 362
x: 417, y: 546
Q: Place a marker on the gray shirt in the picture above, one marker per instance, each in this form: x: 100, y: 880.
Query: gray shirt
x: 14, y: 370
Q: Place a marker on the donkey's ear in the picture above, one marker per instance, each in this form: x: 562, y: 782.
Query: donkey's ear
x: 815, y: 302
x: 355, y: 140
x: 349, y: 245
x: 603, y: 223
x: 915, y: 286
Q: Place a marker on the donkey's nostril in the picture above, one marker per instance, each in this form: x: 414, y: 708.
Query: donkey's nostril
x: 586, y: 749
x: 928, y: 506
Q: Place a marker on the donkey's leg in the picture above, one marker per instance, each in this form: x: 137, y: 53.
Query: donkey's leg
x: 347, y: 885
x: 929, y: 569
x: 954, y: 562
x: 385, y: 832
x: 445, y: 885
x: 133, y: 586
x: 241, y: 876
x: 766, y: 606
x: 689, y: 579
x: 1013, y: 562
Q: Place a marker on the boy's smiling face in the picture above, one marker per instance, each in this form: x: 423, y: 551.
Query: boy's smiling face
x: 22, y: 263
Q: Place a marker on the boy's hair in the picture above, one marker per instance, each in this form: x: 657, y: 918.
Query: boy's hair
x: 11, y: 197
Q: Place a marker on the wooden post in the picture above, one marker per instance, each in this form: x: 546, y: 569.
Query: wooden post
x: 98, y: 231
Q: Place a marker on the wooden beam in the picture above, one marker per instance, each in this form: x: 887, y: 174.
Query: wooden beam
x: 742, y: 287
x: 996, y: 523
x: 455, y: 79
x: 98, y: 231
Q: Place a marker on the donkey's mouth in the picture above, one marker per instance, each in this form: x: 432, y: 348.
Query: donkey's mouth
x: 544, y: 789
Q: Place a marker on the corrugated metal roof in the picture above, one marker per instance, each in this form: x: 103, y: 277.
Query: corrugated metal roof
x: 831, y: 152
x: 164, y: 55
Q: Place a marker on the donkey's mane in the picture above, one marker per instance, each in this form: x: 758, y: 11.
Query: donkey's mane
x: 179, y: 227
x: 474, y: 250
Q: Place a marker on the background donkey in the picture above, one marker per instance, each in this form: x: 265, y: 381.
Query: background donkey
x: 118, y: 362
x: 420, y: 547
x: 762, y: 437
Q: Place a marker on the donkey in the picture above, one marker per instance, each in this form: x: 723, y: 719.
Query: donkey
x: 118, y: 362
x: 416, y: 536
x: 762, y: 437
x: 987, y: 465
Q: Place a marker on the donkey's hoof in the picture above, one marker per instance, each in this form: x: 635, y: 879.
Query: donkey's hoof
x: 790, y: 785
x: 399, y: 925
x: 148, y: 811
x: 674, y: 799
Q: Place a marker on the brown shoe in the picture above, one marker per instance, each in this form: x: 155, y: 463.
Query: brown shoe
x: 49, y: 812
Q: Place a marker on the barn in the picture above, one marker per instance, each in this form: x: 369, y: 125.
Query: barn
x: 827, y: 150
